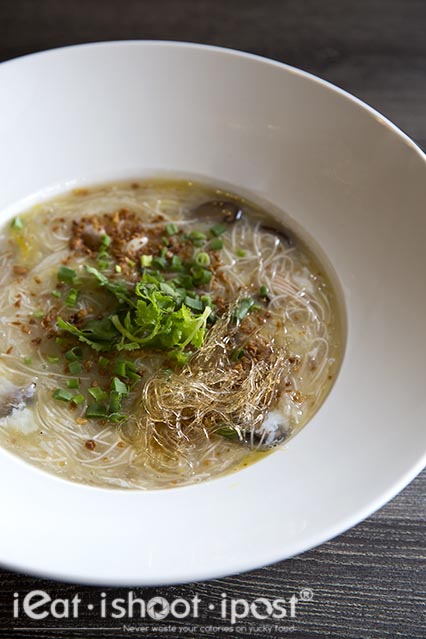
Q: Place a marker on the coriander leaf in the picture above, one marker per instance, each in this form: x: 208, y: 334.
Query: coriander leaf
x: 116, y: 287
x: 96, y: 340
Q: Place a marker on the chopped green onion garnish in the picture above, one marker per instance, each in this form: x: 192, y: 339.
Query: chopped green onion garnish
x: 17, y: 223
x: 52, y: 359
x: 27, y: 360
x: 241, y: 253
x: 115, y: 401
x: 38, y: 314
x: 56, y: 293
x: 194, y: 303
x: 202, y: 276
x: 116, y: 417
x: 103, y: 361
x: 119, y: 387
x: 264, y: 292
x: 96, y: 411
x: 134, y: 377
x: 218, y: 229
x: 71, y: 298
x: 74, y: 368
x: 78, y: 399
x: 159, y: 262
x: 216, y: 244
x: 67, y: 275
x: 103, y: 257
x: 73, y: 383
x: 105, y: 241
x: 171, y: 229
x: 120, y: 368
x: 197, y: 235
x: 103, y: 264
x: 176, y: 263
x: 117, y: 268
x: 63, y: 395
x: 131, y: 366
x: 74, y: 354
x: 243, y: 308
x: 146, y: 260
x: 97, y: 393
x: 202, y: 259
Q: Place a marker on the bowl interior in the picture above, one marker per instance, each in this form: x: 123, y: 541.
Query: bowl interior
x: 348, y: 179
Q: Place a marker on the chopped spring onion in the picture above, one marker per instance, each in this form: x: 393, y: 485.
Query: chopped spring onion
x: 264, y: 291
x: 96, y: 411
x: 116, y: 417
x: 159, y: 262
x: 216, y: 244
x: 243, y: 307
x: 74, y: 353
x: 194, y: 303
x: 103, y: 263
x: 74, y: 367
x: 202, y: 259
x: 67, y: 275
x: 119, y: 387
x: 115, y: 401
x: 97, y: 393
x: 171, y: 229
x: 134, y: 377
x: 197, y: 235
x: 176, y: 263
x: 105, y: 241
x: 146, y: 260
x: 17, y: 223
x: 120, y: 368
x: 71, y: 298
x: 103, y: 362
x: 202, y: 276
x: 218, y: 229
x: 63, y: 395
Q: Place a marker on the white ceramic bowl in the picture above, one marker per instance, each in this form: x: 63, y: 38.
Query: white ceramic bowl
x: 352, y: 180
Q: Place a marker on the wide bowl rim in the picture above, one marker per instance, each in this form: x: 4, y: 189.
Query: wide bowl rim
x: 241, y: 564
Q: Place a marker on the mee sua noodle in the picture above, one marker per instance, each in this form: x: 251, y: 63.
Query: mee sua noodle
x: 158, y: 333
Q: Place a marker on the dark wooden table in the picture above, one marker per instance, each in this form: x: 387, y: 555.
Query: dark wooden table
x: 370, y: 582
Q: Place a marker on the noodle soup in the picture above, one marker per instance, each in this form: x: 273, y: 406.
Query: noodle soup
x: 158, y: 333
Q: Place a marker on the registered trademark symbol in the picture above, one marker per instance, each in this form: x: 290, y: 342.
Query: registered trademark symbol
x: 306, y: 594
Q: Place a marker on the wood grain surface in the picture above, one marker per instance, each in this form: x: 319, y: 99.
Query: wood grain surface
x: 370, y: 582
